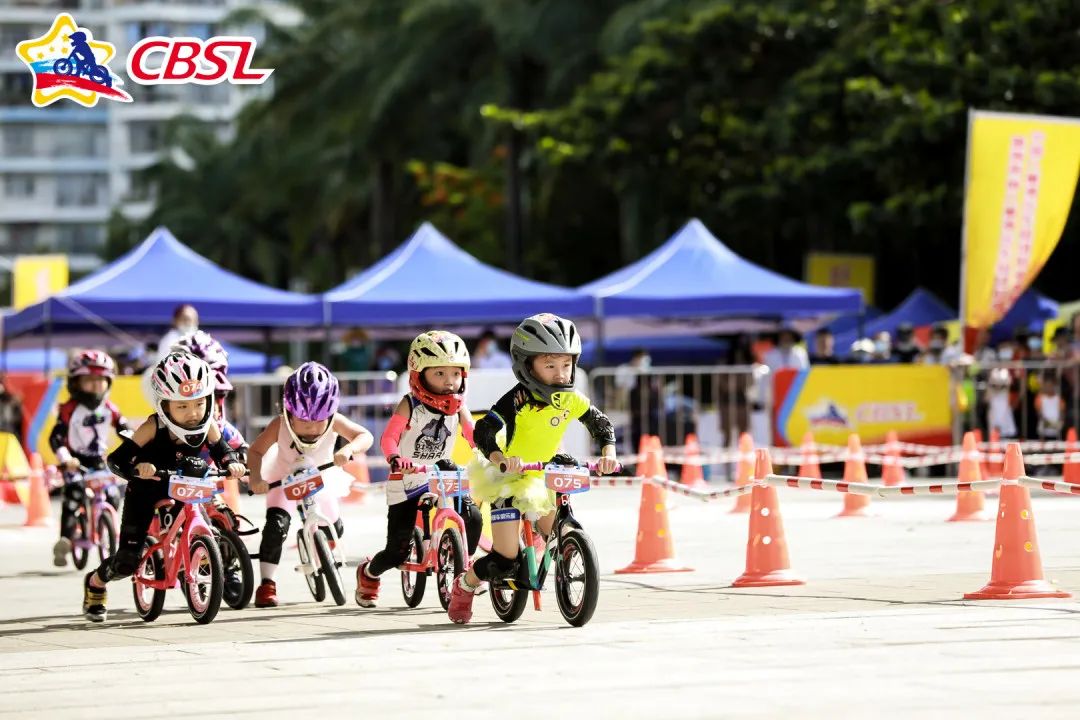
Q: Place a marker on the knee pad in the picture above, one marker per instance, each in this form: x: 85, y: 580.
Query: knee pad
x: 273, y: 535
x: 494, y: 566
x: 474, y: 524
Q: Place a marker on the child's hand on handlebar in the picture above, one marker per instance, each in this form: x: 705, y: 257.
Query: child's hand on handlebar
x: 257, y: 486
x: 342, y: 456
x: 401, y: 465
x: 607, y: 465
x: 146, y: 471
x: 236, y: 470
x: 510, y: 465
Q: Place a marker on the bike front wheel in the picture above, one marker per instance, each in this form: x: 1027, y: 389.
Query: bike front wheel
x: 508, y: 604
x: 63, y: 66
x: 204, y: 594
x: 413, y: 583
x: 328, y: 567
x: 311, y: 573
x: 107, y: 533
x: 577, y: 577
x: 450, y: 563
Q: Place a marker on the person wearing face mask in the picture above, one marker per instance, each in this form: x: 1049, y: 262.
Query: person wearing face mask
x: 185, y: 322
x: 906, y: 349
x: 883, y: 347
x: 939, y: 351
x: 786, y: 354
x: 487, y: 355
x: 824, y: 348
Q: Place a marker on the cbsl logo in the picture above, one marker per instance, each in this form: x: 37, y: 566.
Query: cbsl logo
x: 191, y: 60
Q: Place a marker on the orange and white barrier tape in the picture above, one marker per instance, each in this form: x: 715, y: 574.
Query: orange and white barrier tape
x: 1055, y: 486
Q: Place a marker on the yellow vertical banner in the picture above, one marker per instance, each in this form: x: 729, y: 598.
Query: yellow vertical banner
x: 36, y: 277
x: 1021, y: 176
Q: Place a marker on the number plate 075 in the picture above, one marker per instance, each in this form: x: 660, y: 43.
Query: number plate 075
x: 567, y: 480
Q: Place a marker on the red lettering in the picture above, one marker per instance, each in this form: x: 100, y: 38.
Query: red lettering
x: 221, y: 64
x: 177, y: 59
x: 242, y: 71
x: 136, y: 67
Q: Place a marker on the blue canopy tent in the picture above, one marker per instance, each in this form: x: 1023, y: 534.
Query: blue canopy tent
x: 241, y: 359
x: 664, y: 350
x: 1030, y: 311
x: 920, y: 308
x: 141, y: 289
x: 245, y: 361
x: 694, y: 275
x: 428, y: 280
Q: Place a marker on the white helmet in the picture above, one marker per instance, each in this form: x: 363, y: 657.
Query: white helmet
x: 181, y: 377
x: 438, y: 348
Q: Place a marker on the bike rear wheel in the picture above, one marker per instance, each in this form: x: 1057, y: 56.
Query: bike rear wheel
x: 204, y: 594
x: 577, y: 577
x: 414, y: 583
x: 508, y: 604
x: 238, y: 575
x: 328, y: 567
x: 107, y: 533
x: 449, y: 563
x: 148, y: 601
x: 79, y: 534
x: 314, y: 578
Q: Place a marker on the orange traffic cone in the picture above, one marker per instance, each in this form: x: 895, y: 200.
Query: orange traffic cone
x: 766, y: 548
x: 969, y: 504
x: 996, y: 467
x: 642, y: 469
x: 855, y: 471
x: 744, y: 471
x: 37, y: 510
x: 357, y: 468
x: 810, y: 467
x: 692, y: 474
x: 1016, y: 571
x: 892, y: 472
x: 984, y: 466
x: 1071, y: 469
x: 655, y: 551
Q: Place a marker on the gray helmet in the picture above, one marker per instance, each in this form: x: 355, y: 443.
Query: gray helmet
x: 543, y: 334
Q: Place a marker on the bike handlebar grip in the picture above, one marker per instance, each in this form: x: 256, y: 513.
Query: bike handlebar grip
x: 326, y: 466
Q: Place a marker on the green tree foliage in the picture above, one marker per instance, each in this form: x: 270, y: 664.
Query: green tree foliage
x: 787, y: 126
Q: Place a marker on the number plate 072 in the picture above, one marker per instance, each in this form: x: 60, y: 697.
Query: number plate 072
x: 301, y: 485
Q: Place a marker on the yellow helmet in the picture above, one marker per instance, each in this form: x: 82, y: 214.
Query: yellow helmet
x: 438, y: 348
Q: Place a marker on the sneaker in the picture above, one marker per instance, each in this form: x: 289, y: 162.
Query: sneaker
x: 93, y: 604
x: 461, y: 599
x: 60, y: 552
x: 266, y: 594
x: 367, y: 588
x: 234, y: 586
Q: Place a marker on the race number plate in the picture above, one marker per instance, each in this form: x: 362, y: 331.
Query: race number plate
x: 303, y: 483
x: 448, y: 483
x: 191, y: 490
x: 567, y: 480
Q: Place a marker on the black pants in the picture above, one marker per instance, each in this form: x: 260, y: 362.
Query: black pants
x: 400, y: 521
x: 139, y: 502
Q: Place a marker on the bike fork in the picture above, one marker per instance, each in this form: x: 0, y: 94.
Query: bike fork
x: 530, y: 558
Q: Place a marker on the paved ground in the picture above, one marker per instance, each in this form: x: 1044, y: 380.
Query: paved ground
x: 877, y: 632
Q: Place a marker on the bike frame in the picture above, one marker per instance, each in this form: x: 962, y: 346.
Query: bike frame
x: 175, y: 546
x: 311, y: 521
x: 95, y: 503
x: 445, y: 514
x: 536, y: 569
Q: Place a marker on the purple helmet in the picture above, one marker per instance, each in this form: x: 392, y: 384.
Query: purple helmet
x: 311, y: 393
x: 203, y: 346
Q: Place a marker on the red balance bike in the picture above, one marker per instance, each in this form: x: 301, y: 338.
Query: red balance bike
x: 438, y: 544
x: 181, y: 546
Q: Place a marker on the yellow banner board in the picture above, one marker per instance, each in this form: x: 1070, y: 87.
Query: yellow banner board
x: 833, y: 401
x: 1021, y: 176
x: 847, y: 271
x: 36, y: 277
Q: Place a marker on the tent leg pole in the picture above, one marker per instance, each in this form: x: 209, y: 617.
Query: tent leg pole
x: 326, y: 346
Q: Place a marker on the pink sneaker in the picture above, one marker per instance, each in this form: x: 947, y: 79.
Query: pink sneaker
x: 460, y: 609
x: 367, y: 589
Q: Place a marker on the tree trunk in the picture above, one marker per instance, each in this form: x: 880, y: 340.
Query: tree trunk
x: 382, y: 208
x: 514, y: 220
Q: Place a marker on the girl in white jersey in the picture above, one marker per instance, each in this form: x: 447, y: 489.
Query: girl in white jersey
x: 421, y: 431
x: 305, y: 433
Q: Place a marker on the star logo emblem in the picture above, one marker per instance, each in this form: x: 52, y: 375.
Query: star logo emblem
x: 68, y: 63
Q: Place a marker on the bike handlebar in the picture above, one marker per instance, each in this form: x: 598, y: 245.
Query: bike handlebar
x: 541, y: 465
x: 212, y: 472
x: 277, y: 483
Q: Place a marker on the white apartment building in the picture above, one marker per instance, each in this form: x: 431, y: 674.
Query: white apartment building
x: 65, y: 168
